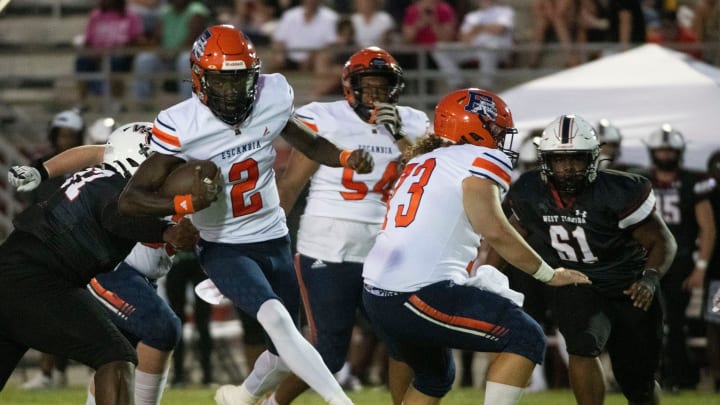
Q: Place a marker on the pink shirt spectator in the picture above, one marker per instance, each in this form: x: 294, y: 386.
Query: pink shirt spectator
x: 443, y: 13
x: 111, y: 29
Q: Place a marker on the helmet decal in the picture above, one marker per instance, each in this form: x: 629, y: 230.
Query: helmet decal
x: 483, y: 105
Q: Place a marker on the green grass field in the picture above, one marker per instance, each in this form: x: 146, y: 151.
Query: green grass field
x: 370, y: 396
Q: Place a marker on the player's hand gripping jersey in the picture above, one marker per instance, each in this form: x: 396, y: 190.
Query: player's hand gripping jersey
x: 338, y: 193
x: 426, y: 212
x: 247, y: 209
x: 591, y: 235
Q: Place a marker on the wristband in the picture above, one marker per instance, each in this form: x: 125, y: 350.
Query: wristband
x: 544, y: 272
x: 44, y: 175
x: 183, y: 204
x: 653, y: 276
x: 701, y: 264
x: 344, y: 156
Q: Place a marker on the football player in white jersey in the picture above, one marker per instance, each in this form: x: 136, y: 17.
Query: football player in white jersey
x: 232, y: 118
x: 418, y: 292
x: 344, y: 209
x: 129, y: 292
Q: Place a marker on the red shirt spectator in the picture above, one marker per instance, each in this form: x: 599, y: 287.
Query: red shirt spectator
x: 429, y: 21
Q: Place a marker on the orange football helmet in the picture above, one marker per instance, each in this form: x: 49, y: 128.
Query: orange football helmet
x: 225, y: 70
x: 478, y: 117
x: 371, y: 61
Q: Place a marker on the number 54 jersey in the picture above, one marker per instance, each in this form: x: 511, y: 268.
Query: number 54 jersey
x: 427, y: 236
x: 594, y: 233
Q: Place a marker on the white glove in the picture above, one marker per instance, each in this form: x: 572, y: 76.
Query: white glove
x: 24, y: 178
x: 388, y: 116
x: 209, y: 293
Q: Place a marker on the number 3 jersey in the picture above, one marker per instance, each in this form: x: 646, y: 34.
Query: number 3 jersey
x: 351, y: 204
x: 594, y: 233
x: 248, y: 208
x: 427, y: 236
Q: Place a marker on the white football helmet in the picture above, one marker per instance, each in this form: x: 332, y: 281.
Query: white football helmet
x: 128, y: 146
x: 666, y: 137
x: 608, y: 133
x: 569, y: 134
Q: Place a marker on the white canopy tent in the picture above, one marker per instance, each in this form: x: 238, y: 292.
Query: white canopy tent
x: 637, y: 90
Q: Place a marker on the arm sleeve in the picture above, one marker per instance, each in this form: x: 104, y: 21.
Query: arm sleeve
x: 142, y: 228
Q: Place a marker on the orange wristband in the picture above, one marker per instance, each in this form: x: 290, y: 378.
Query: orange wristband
x: 183, y: 204
x: 344, y: 156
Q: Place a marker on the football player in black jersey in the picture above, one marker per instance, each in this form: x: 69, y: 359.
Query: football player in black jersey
x: 712, y: 281
x: 683, y: 201
x: 603, y: 223
x: 57, y: 246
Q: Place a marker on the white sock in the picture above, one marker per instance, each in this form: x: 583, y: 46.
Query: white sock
x: 149, y: 387
x: 297, y: 353
x: 502, y: 394
x: 90, y: 398
x: 266, y: 375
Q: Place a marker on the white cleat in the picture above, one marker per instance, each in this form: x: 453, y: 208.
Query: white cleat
x: 235, y: 395
x: 39, y: 382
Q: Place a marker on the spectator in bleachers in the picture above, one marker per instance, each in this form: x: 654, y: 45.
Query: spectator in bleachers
x: 330, y: 62
x: 110, y: 26
x: 547, y: 14
x: 627, y: 23
x: 676, y: 30
x: 302, y: 33
x: 255, y: 19
x: 181, y: 21
x: 426, y: 22
x: 706, y: 25
x: 592, y: 26
x: 490, y: 29
x: 372, y: 25
x: 149, y: 11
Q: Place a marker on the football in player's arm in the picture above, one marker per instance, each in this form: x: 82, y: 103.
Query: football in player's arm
x: 232, y: 118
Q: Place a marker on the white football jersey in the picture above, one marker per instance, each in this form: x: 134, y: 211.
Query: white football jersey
x: 427, y: 236
x: 153, y: 260
x: 351, y: 204
x: 248, y: 208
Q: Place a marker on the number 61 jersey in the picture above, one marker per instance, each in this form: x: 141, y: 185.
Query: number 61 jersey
x: 594, y: 233
x: 427, y: 236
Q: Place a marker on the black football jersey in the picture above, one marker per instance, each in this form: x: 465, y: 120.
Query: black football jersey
x: 713, y: 270
x: 81, y: 226
x: 676, y: 203
x: 594, y: 233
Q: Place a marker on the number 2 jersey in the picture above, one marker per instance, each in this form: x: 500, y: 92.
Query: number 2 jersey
x: 427, y: 236
x: 352, y: 205
x: 593, y: 234
x: 247, y: 209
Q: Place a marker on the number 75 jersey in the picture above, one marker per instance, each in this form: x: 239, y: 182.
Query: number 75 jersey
x: 427, y: 236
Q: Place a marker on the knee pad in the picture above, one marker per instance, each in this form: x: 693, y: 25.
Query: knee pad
x: 583, y: 344
x: 435, y: 385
